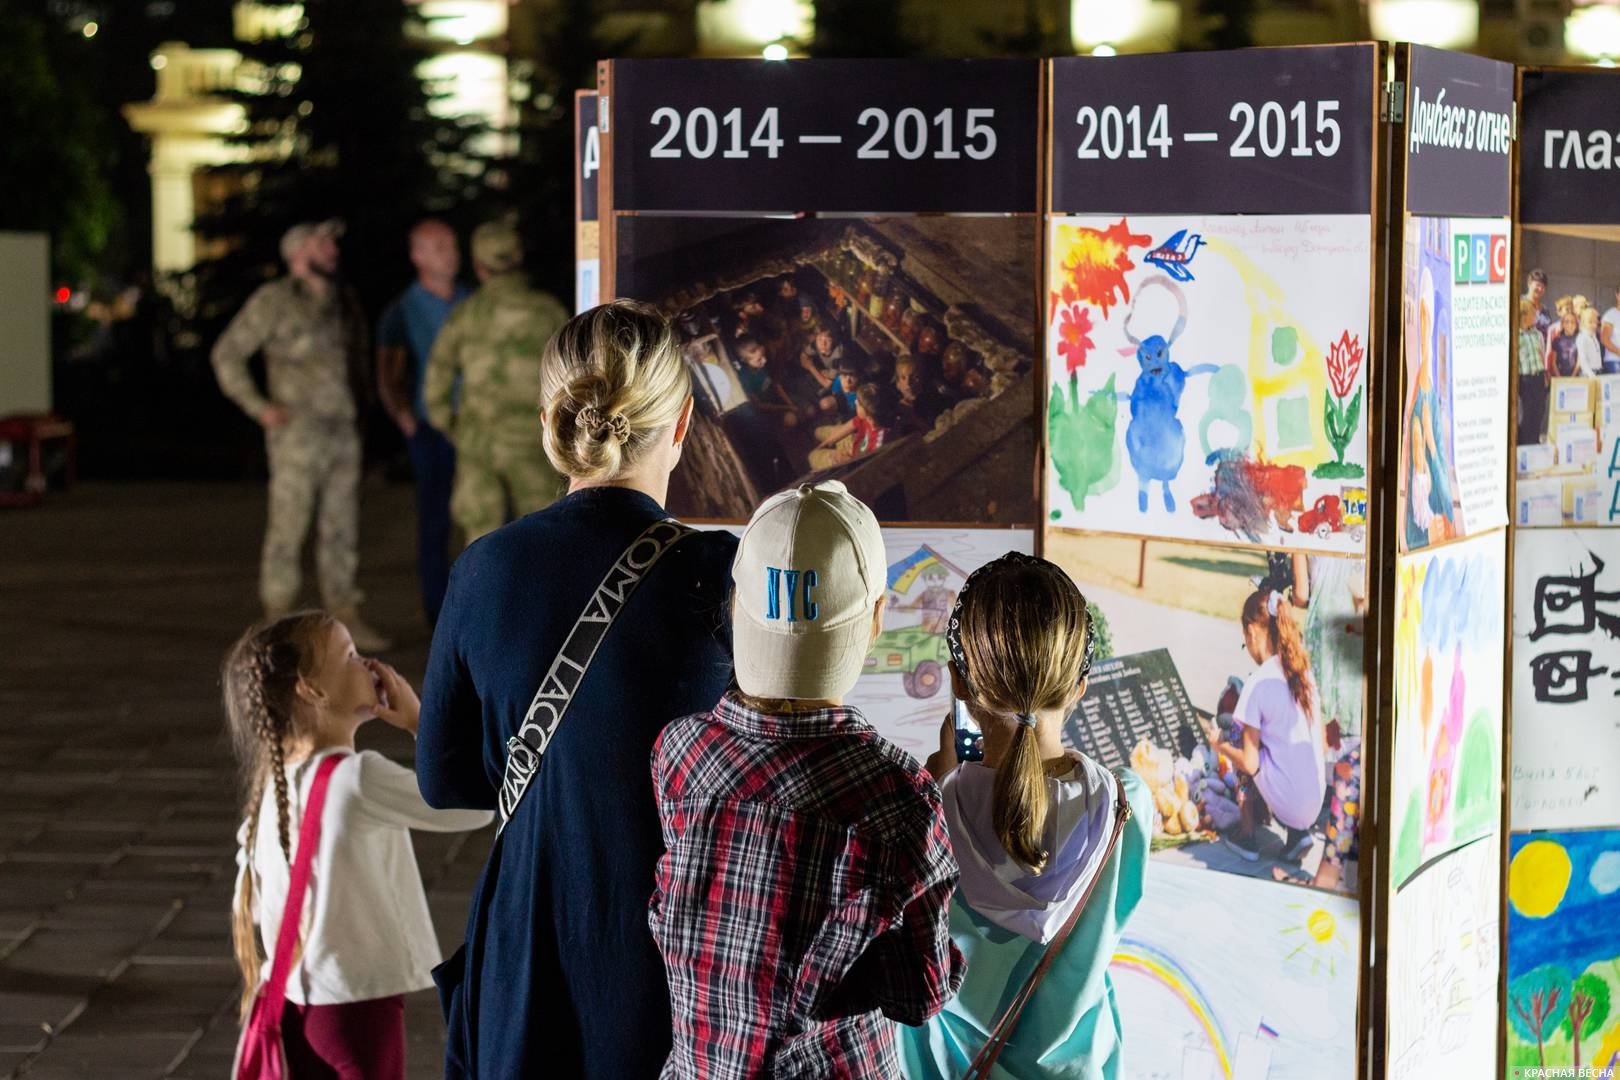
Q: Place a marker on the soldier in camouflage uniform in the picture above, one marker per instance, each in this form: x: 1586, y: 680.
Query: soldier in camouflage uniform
x: 313, y: 336
x: 492, y: 341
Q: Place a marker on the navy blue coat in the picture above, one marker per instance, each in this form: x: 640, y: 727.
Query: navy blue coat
x: 560, y: 975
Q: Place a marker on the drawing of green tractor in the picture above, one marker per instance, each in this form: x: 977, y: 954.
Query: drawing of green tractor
x: 916, y: 654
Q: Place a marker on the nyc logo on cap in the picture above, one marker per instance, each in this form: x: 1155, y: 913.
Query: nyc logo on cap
x: 1479, y: 258
x: 799, y: 604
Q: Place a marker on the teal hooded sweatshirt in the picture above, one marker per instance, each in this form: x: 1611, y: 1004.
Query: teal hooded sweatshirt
x: 1002, y: 917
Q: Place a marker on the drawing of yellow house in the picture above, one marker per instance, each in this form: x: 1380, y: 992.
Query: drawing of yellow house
x: 1286, y: 368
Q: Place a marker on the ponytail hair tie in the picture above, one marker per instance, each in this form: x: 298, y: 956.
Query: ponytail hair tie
x: 1273, y: 602
x: 1026, y: 719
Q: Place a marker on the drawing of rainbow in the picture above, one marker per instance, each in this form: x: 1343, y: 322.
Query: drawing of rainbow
x: 1163, y: 969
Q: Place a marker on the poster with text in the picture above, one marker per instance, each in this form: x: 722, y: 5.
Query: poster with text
x: 1567, y: 349
x: 1191, y: 1003
x: 1449, y: 627
x: 1208, y: 378
x: 1444, y: 961
x: 1453, y: 457
x: 1563, y: 1006
x: 1232, y: 681
x: 1566, y: 679
x: 896, y: 355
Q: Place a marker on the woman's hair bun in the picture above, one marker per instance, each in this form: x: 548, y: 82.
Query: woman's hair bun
x: 610, y: 381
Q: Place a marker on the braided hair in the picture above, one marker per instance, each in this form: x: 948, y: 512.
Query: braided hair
x: 260, y: 681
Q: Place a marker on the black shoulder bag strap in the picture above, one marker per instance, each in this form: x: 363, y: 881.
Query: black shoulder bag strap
x: 556, y: 692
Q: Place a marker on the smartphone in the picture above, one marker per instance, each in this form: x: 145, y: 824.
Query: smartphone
x: 969, y: 739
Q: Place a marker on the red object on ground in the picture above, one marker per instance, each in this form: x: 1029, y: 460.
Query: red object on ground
x: 33, y: 430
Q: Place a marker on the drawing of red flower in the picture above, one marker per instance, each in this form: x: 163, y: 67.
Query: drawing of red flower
x: 1341, y: 410
x: 1074, y: 336
x: 1344, y: 363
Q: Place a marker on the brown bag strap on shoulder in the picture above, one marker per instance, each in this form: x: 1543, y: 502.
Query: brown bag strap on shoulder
x: 985, y: 1060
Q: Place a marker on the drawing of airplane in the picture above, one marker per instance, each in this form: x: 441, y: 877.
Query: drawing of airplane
x: 1174, y: 255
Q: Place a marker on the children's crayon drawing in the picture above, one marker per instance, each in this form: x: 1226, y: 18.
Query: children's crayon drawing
x: 1444, y: 960
x: 1208, y: 378
x: 1563, y: 1007
x: 1220, y: 977
x: 1231, y: 680
x: 1566, y: 679
x: 906, y: 689
x: 1448, y: 700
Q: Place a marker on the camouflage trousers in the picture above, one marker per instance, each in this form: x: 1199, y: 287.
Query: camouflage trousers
x: 501, y: 476
x: 314, y: 470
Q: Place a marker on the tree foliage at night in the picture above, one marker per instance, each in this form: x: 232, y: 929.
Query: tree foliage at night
x: 338, y: 126
x: 56, y: 150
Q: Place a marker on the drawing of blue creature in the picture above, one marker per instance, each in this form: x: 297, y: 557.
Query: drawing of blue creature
x: 1155, y: 438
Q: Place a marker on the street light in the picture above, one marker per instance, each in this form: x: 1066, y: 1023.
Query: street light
x: 90, y: 29
x: 776, y: 51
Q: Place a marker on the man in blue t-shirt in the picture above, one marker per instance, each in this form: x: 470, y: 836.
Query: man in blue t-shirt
x: 405, y: 337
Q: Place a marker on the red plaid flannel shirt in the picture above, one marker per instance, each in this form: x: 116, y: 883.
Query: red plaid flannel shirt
x: 804, y: 895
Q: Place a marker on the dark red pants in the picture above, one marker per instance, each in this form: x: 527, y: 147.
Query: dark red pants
x: 360, y: 1040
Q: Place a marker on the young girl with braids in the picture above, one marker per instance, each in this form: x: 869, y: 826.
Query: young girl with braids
x: 1043, y: 835
x: 1277, y: 745
x: 295, y: 692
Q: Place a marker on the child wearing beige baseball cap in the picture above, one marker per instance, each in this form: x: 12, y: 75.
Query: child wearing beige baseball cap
x: 802, y: 904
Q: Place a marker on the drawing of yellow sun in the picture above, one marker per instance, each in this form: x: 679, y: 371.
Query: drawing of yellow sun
x: 1320, y: 939
x: 1538, y: 877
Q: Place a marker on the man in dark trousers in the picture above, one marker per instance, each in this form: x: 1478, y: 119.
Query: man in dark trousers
x: 405, y: 336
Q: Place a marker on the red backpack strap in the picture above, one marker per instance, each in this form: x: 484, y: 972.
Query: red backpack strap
x: 309, y: 838
x: 985, y: 1060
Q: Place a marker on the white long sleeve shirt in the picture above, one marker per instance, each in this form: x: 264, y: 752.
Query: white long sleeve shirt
x: 367, y: 932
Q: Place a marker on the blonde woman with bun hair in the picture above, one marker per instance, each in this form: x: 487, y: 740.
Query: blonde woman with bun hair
x: 615, y: 398
x: 560, y: 975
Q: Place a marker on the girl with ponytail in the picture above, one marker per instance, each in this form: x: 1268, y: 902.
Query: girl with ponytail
x: 296, y: 692
x: 1052, y: 846
x: 1277, y: 743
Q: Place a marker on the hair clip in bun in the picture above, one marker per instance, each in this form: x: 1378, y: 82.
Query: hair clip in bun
x: 603, y: 424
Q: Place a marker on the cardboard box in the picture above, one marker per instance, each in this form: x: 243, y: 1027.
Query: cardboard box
x: 1609, y: 388
x: 1584, y: 502
x: 1539, y: 502
x: 1559, y: 420
x: 1537, y: 457
x: 1573, y: 395
x: 1577, y: 445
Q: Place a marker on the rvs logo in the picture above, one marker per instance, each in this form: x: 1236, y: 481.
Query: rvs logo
x: 1479, y: 258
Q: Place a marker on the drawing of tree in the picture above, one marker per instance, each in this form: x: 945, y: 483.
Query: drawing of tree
x: 1588, y: 1009
x: 1534, y: 997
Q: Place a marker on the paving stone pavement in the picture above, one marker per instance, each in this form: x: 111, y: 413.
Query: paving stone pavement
x: 118, y: 803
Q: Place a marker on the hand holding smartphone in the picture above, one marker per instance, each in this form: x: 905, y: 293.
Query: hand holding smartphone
x: 969, y: 738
